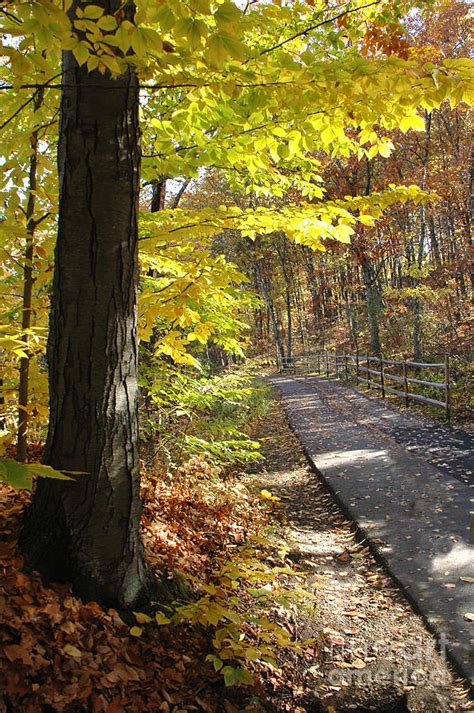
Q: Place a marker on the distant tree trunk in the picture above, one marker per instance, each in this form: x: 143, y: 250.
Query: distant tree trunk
x: 351, y: 321
x: 468, y: 216
x: 372, y: 298
x: 416, y: 305
x: 416, y: 302
x: 158, y: 194
x: 434, y: 241
x: 2, y: 402
x: 300, y: 314
x: 258, y: 323
x: 308, y: 265
x: 88, y: 531
x: 282, y: 252
x: 272, y: 317
x: 369, y: 278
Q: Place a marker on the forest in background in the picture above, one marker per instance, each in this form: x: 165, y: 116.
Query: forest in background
x: 223, y: 191
x: 403, y: 288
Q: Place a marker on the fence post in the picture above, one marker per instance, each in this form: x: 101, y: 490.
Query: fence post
x: 319, y: 363
x: 368, y: 373
x: 405, y: 381
x: 357, y: 368
x: 346, y: 367
x: 327, y: 364
x: 382, y: 378
x: 337, y: 364
x: 447, y: 395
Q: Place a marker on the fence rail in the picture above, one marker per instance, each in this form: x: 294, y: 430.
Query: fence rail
x: 361, y: 369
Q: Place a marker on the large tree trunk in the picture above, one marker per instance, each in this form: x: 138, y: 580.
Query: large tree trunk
x: 88, y: 531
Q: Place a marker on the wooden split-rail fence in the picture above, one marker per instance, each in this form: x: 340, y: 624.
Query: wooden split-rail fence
x: 377, y: 373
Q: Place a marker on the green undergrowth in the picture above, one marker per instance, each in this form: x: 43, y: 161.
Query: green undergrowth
x: 245, y: 601
x: 188, y: 413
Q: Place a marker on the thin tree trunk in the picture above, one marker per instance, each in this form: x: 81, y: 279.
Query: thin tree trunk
x: 369, y: 278
x: 372, y: 298
x: 272, y: 318
x: 416, y: 303
x: 300, y: 314
x: 416, y: 306
x: 434, y: 241
x: 468, y: 216
x: 310, y: 272
x: 351, y: 321
x: 282, y: 252
x: 2, y: 403
x: 28, y: 280
x: 88, y: 531
x: 158, y: 194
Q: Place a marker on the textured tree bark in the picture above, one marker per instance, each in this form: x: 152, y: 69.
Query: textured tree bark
x: 88, y: 531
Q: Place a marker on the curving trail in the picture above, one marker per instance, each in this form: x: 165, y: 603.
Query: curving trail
x: 409, y: 485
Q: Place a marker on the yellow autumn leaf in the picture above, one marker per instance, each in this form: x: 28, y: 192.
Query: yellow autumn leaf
x: 267, y: 495
x: 142, y: 618
x: 161, y: 619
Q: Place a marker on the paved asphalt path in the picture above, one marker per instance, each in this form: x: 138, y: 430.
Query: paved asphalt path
x: 408, y: 483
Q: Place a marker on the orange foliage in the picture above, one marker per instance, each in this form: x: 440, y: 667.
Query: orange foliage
x: 57, y: 651
x: 187, y: 524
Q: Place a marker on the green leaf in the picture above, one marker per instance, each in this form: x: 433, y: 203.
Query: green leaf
x: 161, y: 619
x: 216, y: 50
x: 81, y: 53
x: 246, y: 677
x: 220, y: 46
x: 227, y: 14
x: 107, y: 23
x: 165, y: 18
x: 138, y: 42
x: 192, y: 29
x: 197, y: 30
x: 201, y: 6
x: 15, y: 475
x: 20, y: 475
x: 45, y: 471
x: 92, y: 12
x: 231, y: 676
